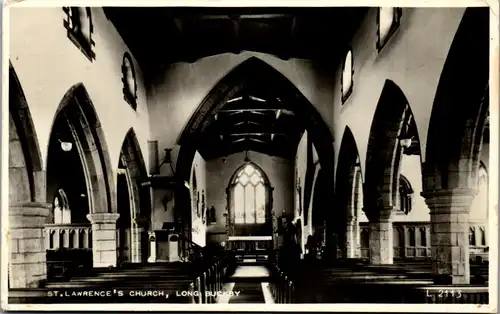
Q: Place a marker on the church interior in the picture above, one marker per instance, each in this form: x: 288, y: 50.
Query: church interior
x: 278, y: 155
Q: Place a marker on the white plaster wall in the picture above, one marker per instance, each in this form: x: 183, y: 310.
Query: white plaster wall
x: 301, y: 163
x: 413, y: 58
x: 199, y: 168
x: 300, y: 175
x: 48, y: 64
x: 177, y: 91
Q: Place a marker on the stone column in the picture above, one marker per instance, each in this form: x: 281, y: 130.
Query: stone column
x: 450, y: 234
x: 27, y: 264
x: 138, y: 232
x: 381, y: 242
x: 104, y: 244
x: 352, y: 237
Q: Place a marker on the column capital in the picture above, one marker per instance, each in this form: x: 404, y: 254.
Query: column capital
x: 382, y: 213
x: 141, y: 221
x: 30, y: 209
x: 103, y: 217
x: 449, y: 200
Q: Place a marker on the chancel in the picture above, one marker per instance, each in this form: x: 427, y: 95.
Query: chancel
x: 249, y: 155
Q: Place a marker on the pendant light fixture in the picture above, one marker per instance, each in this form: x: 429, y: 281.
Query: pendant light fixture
x: 247, y: 160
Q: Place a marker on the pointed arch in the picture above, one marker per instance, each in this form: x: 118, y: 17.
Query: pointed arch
x: 249, y: 195
x: 253, y: 72
x: 83, y: 129
x: 256, y: 166
x: 132, y: 160
x: 256, y: 71
x: 346, y: 183
x: 452, y: 152
x: 26, y: 174
x: 392, y: 122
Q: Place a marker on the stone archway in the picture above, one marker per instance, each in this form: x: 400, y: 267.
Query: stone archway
x: 393, y: 121
x: 135, y: 200
x: 27, y: 206
x: 78, y: 163
x: 346, y: 185
x: 256, y: 72
x: 452, y: 157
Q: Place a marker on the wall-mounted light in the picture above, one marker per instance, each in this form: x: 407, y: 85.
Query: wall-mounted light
x: 405, y: 142
x: 168, y: 160
x: 66, y: 146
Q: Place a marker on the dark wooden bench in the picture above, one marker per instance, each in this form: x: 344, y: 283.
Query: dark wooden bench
x: 65, y: 263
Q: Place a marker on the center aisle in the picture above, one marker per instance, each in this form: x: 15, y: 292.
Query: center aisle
x: 250, y: 292
x: 249, y: 285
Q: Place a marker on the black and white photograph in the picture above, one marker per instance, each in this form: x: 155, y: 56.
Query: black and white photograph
x: 250, y: 156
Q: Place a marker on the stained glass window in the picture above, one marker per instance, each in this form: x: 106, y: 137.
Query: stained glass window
x: 347, y: 73
x: 78, y: 24
x: 388, y: 22
x: 249, y: 194
x: 405, y: 195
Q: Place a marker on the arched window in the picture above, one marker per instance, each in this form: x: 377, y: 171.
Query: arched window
x: 388, y: 20
x: 483, y: 236
x: 411, y: 237
x: 79, y: 26
x: 129, y: 81
x: 347, y: 76
x: 405, y: 195
x: 472, y: 236
x: 194, y: 194
x: 60, y: 207
x: 423, y: 237
x: 482, y: 196
x: 249, y: 196
x: 358, y: 191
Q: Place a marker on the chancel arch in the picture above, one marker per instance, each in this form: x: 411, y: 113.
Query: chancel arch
x: 452, y: 160
x: 393, y: 134
x: 78, y: 163
x: 27, y: 207
x: 257, y: 76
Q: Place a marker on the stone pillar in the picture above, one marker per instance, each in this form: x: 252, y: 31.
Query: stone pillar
x: 352, y: 237
x: 137, y: 245
x: 381, y: 242
x: 104, y: 244
x: 450, y: 234
x: 138, y: 230
x: 27, y: 263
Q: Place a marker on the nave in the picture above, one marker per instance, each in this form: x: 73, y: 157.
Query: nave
x: 291, y: 173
